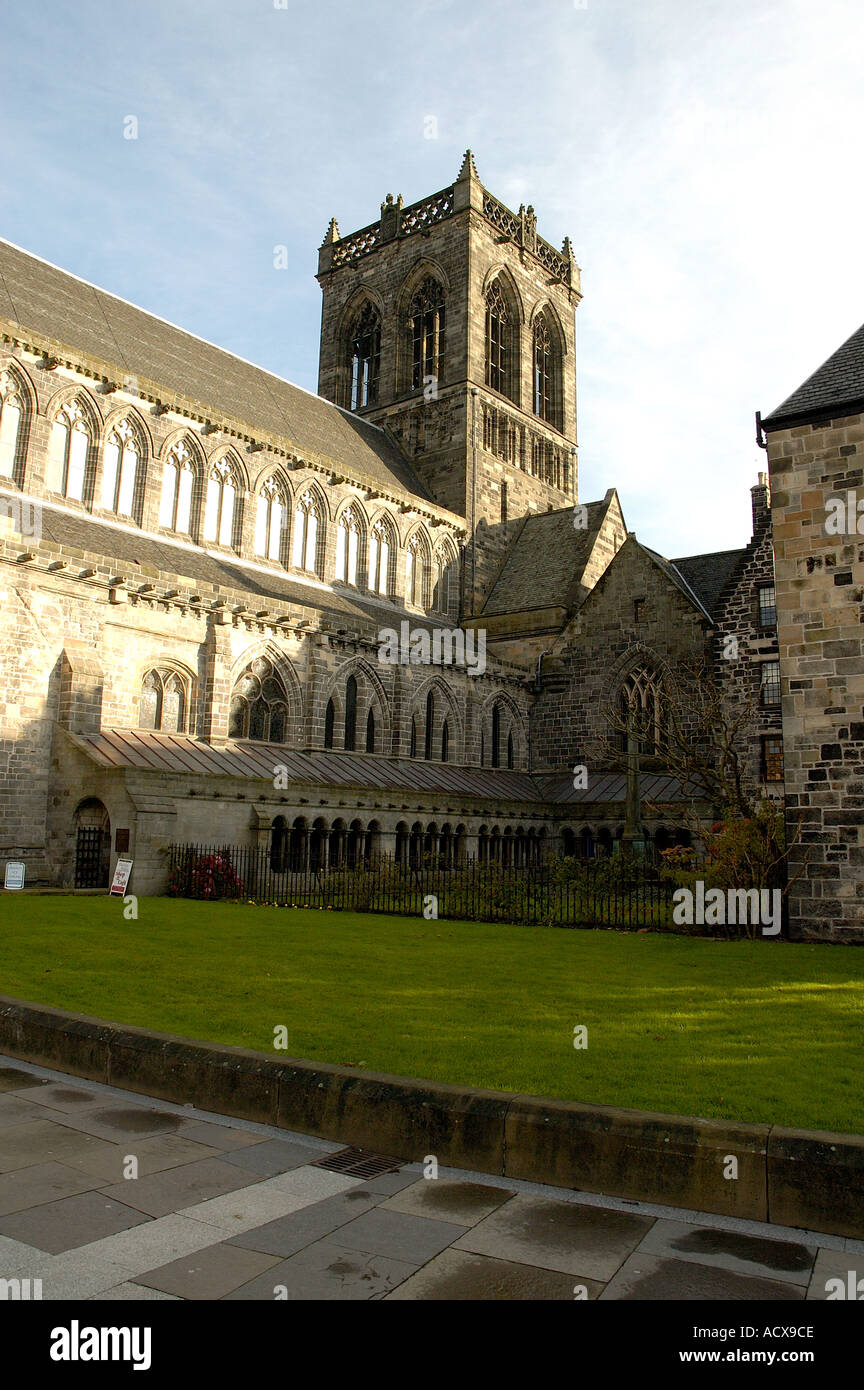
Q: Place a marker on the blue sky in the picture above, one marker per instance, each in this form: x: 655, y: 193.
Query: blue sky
x: 701, y: 155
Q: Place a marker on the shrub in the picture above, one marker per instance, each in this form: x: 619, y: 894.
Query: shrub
x: 205, y: 876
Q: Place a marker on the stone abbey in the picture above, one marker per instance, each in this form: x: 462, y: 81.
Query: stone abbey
x: 197, y: 561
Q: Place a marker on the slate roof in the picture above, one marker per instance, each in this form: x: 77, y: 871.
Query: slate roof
x: 545, y: 561
x: 146, y: 751
x: 707, y: 575
x: 50, y: 304
x: 141, y: 559
x: 838, y: 382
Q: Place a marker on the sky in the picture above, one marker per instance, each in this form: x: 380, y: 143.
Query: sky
x: 702, y: 155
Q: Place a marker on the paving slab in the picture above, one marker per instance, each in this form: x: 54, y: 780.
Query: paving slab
x: 108, y: 1164
x: 271, y: 1157
x: 388, y: 1183
x: 464, y: 1203
x: 845, y: 1265
x: 327, y: 1270
x: 265, y: 1201
x: 209, y: 1273
x: 13, y: 1079
x: 120, y: 1123
x: 15, y: 1111
x: 458, y: 1276
x: 131, y: 1292
x: 171, y: 1190
x: 70, y: 1222
x: 649, y: 1277
x: 221, y: 1136
x: 65, y: 1098
x: 288, y: 1234
x: 74, y: 1274
x: 414, y: 1239
x: 150, y: 1245
x: 43, y: 1182
x: 43, y: 1141
x: 564, y: 1236
x: 742, y: 1254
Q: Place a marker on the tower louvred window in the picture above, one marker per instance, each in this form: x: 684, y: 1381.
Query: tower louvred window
x: 364, y: 358
x: 426, y: 319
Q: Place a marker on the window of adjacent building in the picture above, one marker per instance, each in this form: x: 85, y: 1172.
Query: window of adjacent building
x: 772, y: 759
x: 767, y: 606
x: 175, y: 510
x: 329, y: 723
x: 70, y: 453
x: 364, y: 358
x: 444, y: 591
x: 503, y: 502
x: 414, y: 572
x: 426, y: 317
x: 11, y: 414
x: 379, y: 558
x: 445, y: 742
x: 347, y: 546
x: 413, y: 750
x: 430, y: 721
x: 510, y: 751
x: 771, y: 683
x: 370, y: 731
x: 499, y: 342
x: 259, y: 705
x: 496, y: 735
x: 163, y: 702
x: 305, y: 552
x: 270, y: 520
x: 640, y: 711
x: 120, y: 470
x: 220, y: 504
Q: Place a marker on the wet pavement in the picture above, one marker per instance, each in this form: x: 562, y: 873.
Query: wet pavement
x: 109, y: 1195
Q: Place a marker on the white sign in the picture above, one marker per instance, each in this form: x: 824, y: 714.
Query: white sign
x: 122, y: 872
x: 14, y: 877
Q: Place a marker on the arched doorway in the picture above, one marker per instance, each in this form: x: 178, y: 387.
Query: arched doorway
x: 92, y: 845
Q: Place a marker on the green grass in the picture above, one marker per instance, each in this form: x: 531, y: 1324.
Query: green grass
x: 750, y: 1030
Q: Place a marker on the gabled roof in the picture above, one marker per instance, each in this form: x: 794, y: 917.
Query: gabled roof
x: 837, y: 384
x: 545, y: 562
x: 52, y: 307
x: 707, y: 575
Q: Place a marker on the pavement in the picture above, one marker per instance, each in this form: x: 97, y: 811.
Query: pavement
x: 108, y: 1195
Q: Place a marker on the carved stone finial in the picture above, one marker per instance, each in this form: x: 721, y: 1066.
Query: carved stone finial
x: 469, y: 168
x: 567, y: 248
x: 332, y: 232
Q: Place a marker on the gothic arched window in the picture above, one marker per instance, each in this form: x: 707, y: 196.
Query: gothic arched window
x: 11, y: 415
x: 496, y: 735
x: 510, y: 762
x: 163, y: 702
x: 120, y: 469
x: 351, y: 714
x: 640, y: 710
x: 270, y: 520
x: 259, y: 705
x: 370, y: 731
x: 444, y: 592
x: 347, y: 546
x: 430, y: 722
x: 413, y: 750
x: 220, y: 504
x: 546, y: 374
x: 175, y: 509
x: 426, y: 321
x: 379, y: 557
x: 306, y: 519
x: 415, y: 576
x: 329, y: 724
x: 68, y: 468
x: 500, y: 364
x: 364, y: 358
x: 445, y: 742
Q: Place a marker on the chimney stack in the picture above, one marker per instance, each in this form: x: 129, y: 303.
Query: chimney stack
x: 761, y: 500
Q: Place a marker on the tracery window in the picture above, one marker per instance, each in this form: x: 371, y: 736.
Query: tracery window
x: 347, y: 546
x: 11, y: 415
x: 426, y: 319
x: 364, y: 358
x: 414, y: 572
x: 306, y: 519
x: 370, y: 731
x: 270, y: 520
x: 329, y: 724
x: 220, y: 504
x: 445, y: 581
x: 379, y: 558
x: 351, y: 714
x: 70, y: 452
x: 546, y: 373
x: 499, y: 342
x: 430, y: 723
x: 641, y: 711
x: 259, y: 705
x: 120, y: 470
x: 163, y: 702
x: 175, y: 509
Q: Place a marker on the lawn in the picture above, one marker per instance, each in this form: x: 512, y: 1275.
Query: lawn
x: 751, y: 1030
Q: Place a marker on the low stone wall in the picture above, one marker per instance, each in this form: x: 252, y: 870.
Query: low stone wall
x: 793, y: 1177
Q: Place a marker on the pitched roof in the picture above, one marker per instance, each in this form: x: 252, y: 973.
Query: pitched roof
x: 838, y: 382
x: 707, y: 575
x: 51, y: 305
x: 545, y: 561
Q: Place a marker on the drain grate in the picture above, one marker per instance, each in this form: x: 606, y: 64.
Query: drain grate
x: 358, y: 1163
